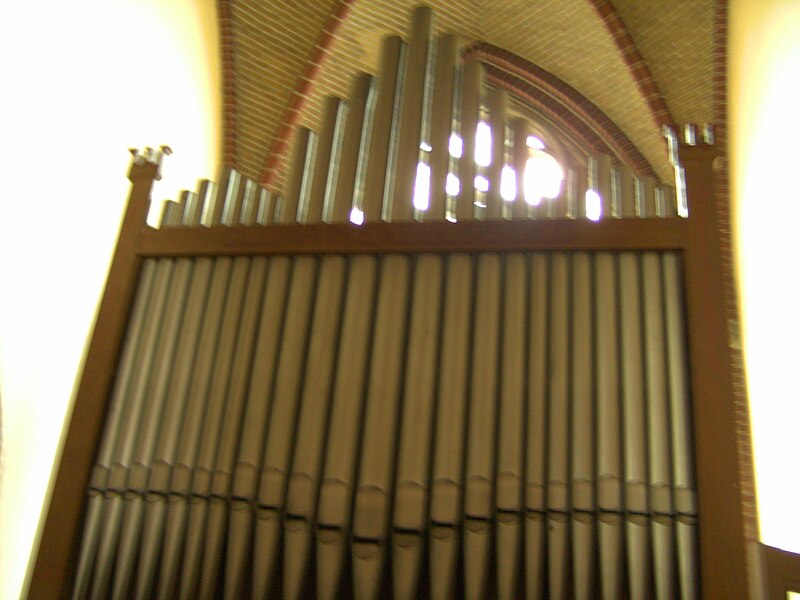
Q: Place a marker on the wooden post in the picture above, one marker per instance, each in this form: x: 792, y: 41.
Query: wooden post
x: 723, y: 561
x: 53, y: 569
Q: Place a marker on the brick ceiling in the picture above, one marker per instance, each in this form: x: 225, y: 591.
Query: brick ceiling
x: 641, y: 63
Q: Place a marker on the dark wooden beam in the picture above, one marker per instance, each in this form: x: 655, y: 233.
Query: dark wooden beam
x: 434, y: 236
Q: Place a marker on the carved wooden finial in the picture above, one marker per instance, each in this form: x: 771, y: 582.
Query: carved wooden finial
x: 697, y: 143
x: 147, y: 162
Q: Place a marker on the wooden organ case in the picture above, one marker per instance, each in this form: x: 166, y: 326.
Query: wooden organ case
x: 468, y: 397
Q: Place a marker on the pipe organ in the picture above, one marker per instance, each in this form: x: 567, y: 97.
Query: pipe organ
x: 470, y: 396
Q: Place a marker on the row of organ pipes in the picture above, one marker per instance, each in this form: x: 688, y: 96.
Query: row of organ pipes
x: 461, y: 425
x: 383, y: 155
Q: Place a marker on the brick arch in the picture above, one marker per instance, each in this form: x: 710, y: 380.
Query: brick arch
x: 633, y: 58
x: 560, y: 102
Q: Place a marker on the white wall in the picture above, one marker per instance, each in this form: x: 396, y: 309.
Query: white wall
x: 81, y: 82
x: 764, y: 87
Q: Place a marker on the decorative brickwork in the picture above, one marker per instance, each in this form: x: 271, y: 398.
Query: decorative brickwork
x: 559, y: 101
x: 228, y: 83
x: 636, y: 63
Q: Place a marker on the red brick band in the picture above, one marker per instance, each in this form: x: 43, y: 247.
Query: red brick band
x: 635, y: 61
x: 559, y: 101
x: 280, y: 144
x: 229, y: 113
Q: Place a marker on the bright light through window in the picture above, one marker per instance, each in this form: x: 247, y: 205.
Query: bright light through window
x: 530, y: 189
x: 508, y: 184
x: 422, y: 187
x: 593, y: 205
x: 542, y: 178
x: 456, y: 146
x: 531, y: 197
x: 452, y: 185
x: 357, y: 216
x: 483, y: 145
x: 481, y: 183
x: 425, y: 147
x: 534, y: 142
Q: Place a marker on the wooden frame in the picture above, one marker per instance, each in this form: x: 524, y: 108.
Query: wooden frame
x: 781, y: 572
x: 721, y: 530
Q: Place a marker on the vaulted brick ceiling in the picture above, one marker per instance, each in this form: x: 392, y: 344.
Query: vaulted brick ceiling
x: 641, y: 63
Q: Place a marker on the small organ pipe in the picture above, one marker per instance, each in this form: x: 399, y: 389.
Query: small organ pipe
x: 498, y: 117
x: 470, y: 110
x: 448, y: 456
x: 373, y: 492
x: 319, y: 203
x: 415, y: 116
x: 582, y: 431
x: 634, y: 427
x: 536, y: 425
x: 511, y: 425
x: 558, y: 438
x: 442, y: 120
x: 298, y: 187
x: 382, y: 146
x: 355, y: 148
x: 482, y: 422
x: 519, y: 154
x: 416, y: 439
x: 608, y: 464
